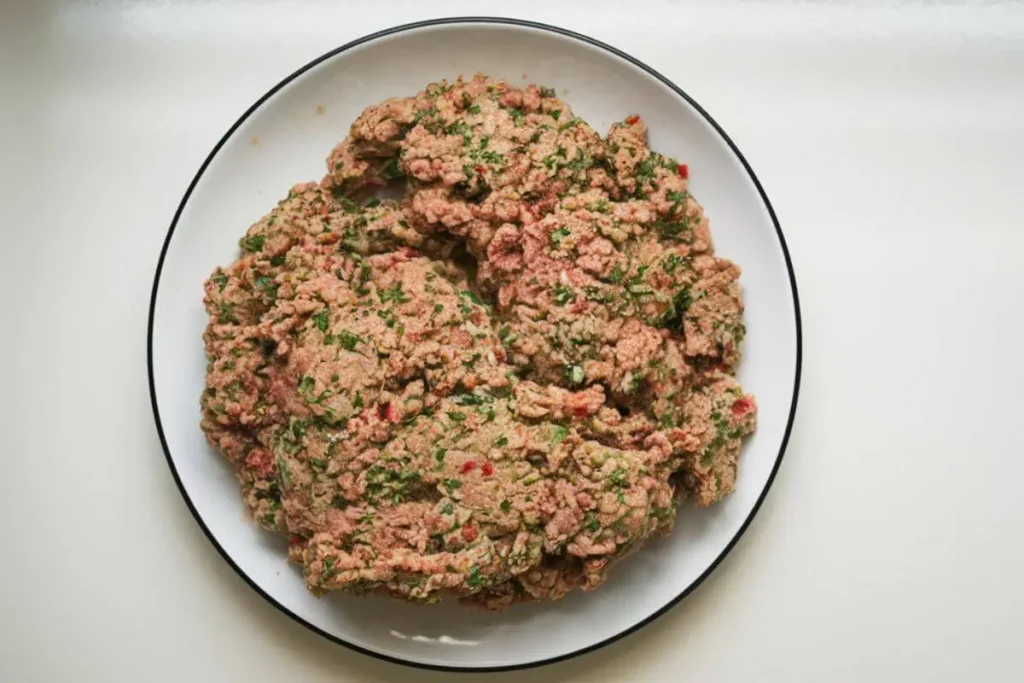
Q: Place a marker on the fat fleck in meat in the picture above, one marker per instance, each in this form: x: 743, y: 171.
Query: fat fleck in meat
x: 496, y: 387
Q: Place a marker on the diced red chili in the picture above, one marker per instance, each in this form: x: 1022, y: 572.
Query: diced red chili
x: 390, y: 413
x: 469, y: 533
x: 741, y: 406
x: 632, y: 118
x: 487, y: 468
x: 684, y: 171
x: 468, y: 466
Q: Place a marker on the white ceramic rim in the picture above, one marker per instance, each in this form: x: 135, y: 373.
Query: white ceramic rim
x: 567, y: 34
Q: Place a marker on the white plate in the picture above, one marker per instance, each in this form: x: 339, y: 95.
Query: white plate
x: 296, y: 124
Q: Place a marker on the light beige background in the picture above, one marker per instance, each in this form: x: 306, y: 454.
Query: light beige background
x: 890, y: 138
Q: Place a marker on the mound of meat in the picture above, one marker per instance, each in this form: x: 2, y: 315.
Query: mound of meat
x: 495, y: 387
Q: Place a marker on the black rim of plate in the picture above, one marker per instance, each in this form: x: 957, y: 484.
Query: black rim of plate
x: 509, y: 22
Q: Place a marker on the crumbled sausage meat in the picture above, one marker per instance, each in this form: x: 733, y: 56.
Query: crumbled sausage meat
x: 495, y: 387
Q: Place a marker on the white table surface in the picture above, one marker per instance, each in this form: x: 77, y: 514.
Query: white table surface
x: 891, y: 142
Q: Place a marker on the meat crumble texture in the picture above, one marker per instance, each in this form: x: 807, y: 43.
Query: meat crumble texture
x: 495, y: 387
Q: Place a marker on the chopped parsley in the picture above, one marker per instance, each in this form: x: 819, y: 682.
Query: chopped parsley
x: 492, y: 157
x: 321, y: 319
x: 671, y: 262
x: 620, y: 477
x: 329, y: 570
x: 226, y: 314
x: 558, y: 434
x: 558, y: 235
x: 345, y: 339
x: 392, y: 171
x: 252, y: 243
x: 267, y: 286
x: 675, y: 313
x: 564, y: 295
x: 645, y: 170
x: 474, y: 580
x: 394, y: 294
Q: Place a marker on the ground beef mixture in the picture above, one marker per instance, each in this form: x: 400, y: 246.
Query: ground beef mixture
x: 495, y: 386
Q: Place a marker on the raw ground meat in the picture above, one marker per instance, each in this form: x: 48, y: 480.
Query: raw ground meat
x: 495, y: 387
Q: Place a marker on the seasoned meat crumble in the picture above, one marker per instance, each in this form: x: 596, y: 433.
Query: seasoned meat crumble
x: 495, y: 387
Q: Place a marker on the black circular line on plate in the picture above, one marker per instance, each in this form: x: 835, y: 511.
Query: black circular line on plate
x: 550, y: 29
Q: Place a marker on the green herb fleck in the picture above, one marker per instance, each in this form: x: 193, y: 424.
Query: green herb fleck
x: 558, y: 235
x: 474, y: 580
x: 392, y: 171
x: 345, y: 339
x: 393, y: 293
x: 564, y: 295
x: 558, y: 434
x: 321, y: 319
x: 252, y: 243
x: 267, y: 286
x: 671, y: 262
x: 226, y: 314
x: 620, y: 477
